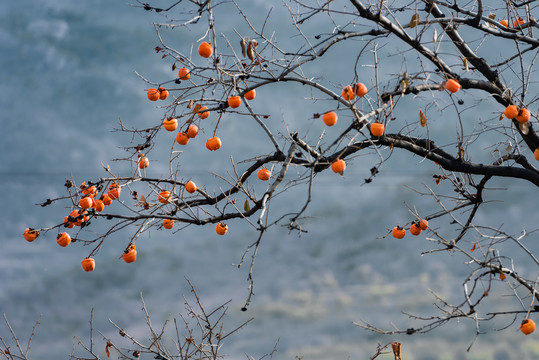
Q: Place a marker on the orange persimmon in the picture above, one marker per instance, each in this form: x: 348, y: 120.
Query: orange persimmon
x: 330, y: 118
x: 424, y: 224
x: 221, y: 228
x: 338, y: 166
x: 163, y: 93
x: 88, y: 264
x: 415, y: 229
x: 398, y: 232
x: 360, y: 89
x: 452, y: 85
x: 30, y: 234
x: 114, y: 191
x: 518, y: 21
x: 536, y: 154
x: 168, y: 223
x: 190, y: 187
x: 203, y: 114
x: 192, y: 131
x: 87, y: 190
x: 143, y: 162
x: 264, y: 174
x: 511, y: 112
x: 68, y: 224
x: 250, y: 95
x: 377, y: 129
x: 527, y: 326
x: 182, y: 138
x: 213, y: 143
x: 170, y: 124
x: 184, y: 74
x: 107, y: 200
x: 523, y: 116
x: 153, y: 94
x: 234, y: 101
x: 99, y: 205
x: 504, y: 22
x: 63, y: 239
x: 348, y: 93
x: 205, y: 49
x: 130, y: 255
x: 85, y: 202
x: 164, y: 197
x: 78, y: 217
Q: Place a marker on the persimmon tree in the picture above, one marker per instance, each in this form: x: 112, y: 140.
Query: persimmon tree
x: 457, y: 57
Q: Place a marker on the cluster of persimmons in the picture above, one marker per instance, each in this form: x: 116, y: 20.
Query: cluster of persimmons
x: 90, y: 204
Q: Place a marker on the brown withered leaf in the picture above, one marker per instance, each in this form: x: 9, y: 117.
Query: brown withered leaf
x: 246, y: 206
x: 473, y: 247
x: 242, y: 43
x: 173, y: 66
x: 422, y: 119
x: 251, y: 51
x: 414, y: 21
x: 190, y: 105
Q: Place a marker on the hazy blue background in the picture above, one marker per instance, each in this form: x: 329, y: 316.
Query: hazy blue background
x: 68, y: 76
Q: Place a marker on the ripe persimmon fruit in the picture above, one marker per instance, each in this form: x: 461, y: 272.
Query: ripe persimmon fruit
x: 234, y: 101
x: 205, y: 49
x: 360, y: 89
x: 250, y: 95
x: 203, y: 114
x: 518, y: 21
x: 163, y: 93
x: 504, y: 22
x: 143, y: 162
x: 182, y: 138
x: 85, y: 202
x: 348, y: 93
x: 330, y: 118
x: 30, y: 234
x: 415, y: 229
x: 68, y: 224
x: 168, y: 223
x: 192, y: 131
x: 63, y: 239
x: 338, y: 166
x: 153, y: 94
x: 452, y: 85
x: 164, y: 197
x: 114, y: 191
x: 536, y: 154
x: 263, y: 174
x: 87, y: 190
x: 99, y: 205
x: 424, y: 224
x: 221, y: 228
x: 130, y: 255
x: 170, y: 124
x: 523, y: 116
x: 190, y: 187
x: 184, y: 74
x: 527, y: 326
x: 511, y: 112
x: 213, y: 143
x: 88, y: 264
x: 398, y: 232
x: 107, y: 200
x: 377, y: 129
